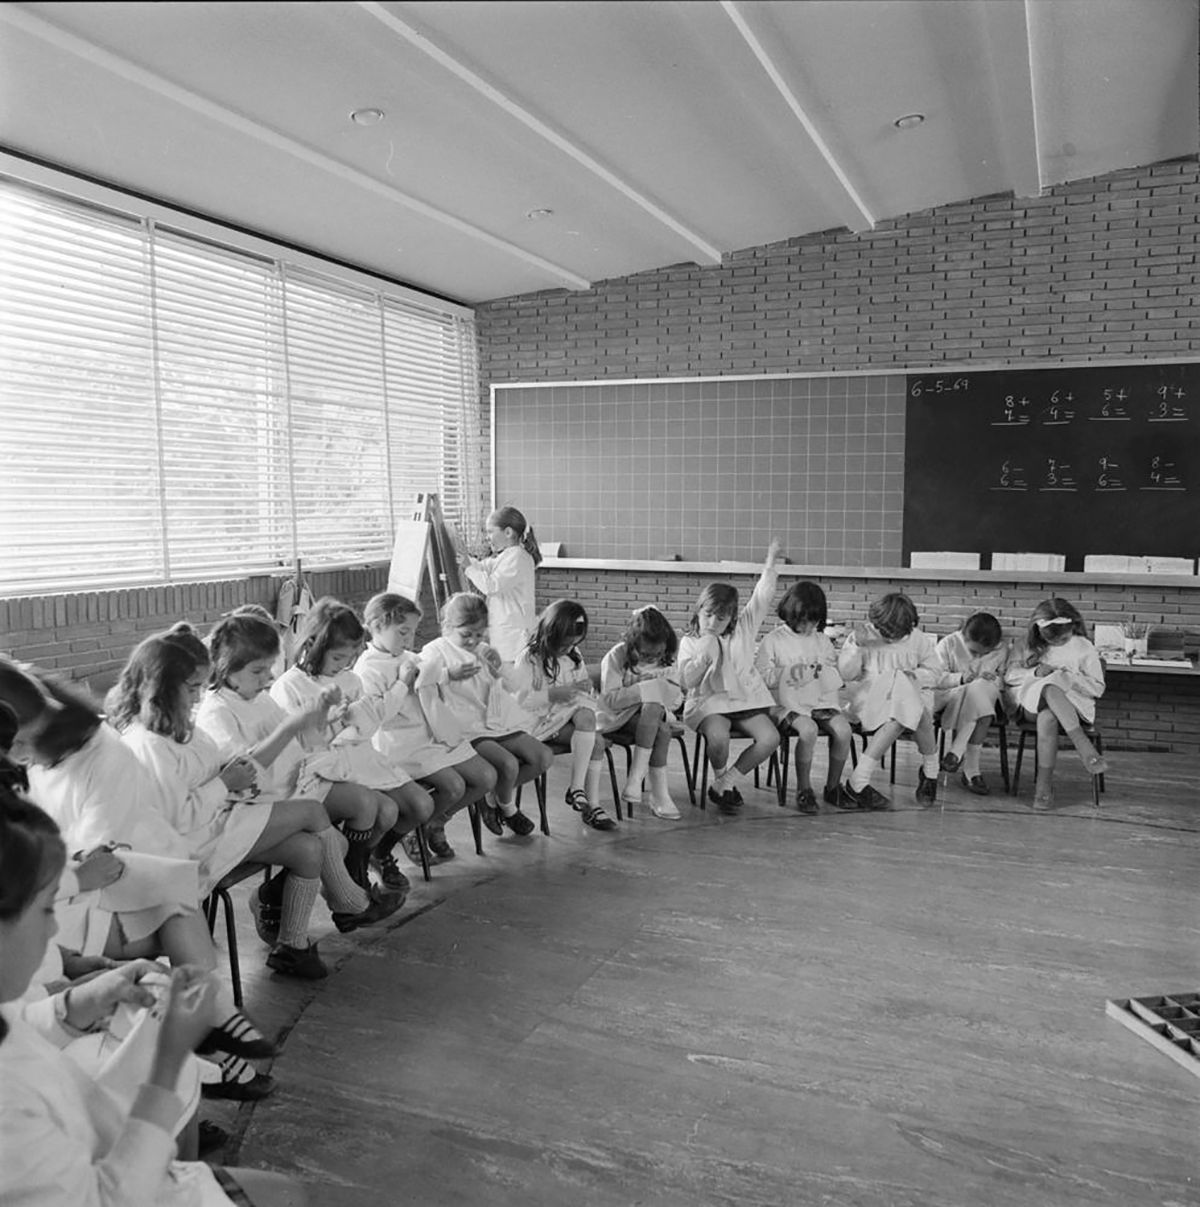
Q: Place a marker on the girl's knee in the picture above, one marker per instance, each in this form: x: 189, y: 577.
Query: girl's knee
x: 314, y: 816
x: 806, y: 730
x: 386, y: 811
x: 308, y: 856
x: 584, y: 721
x: 655, y: 713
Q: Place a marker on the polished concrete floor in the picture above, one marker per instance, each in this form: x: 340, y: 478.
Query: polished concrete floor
x: 885, y: 1009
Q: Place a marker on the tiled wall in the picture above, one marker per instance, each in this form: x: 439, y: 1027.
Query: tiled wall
x: 702, y: 469
x: 1139, y: 710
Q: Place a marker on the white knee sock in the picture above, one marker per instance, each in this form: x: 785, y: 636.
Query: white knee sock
x: 638, y: 768
x: 582, y: 742
x: 342, y: 894
x: 299, y: 897
x: 659, y: 793
x: 593, y: 782
x: 971, y: 761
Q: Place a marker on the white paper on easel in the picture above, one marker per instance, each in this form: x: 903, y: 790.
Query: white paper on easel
x: 408, y: 558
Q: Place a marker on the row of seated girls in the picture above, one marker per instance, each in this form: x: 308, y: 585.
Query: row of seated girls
x: 206, y: 756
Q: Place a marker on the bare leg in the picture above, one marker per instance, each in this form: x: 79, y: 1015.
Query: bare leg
x: 805, y: 729
x: 840, y: 737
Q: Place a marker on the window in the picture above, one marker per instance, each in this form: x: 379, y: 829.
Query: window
x: 173, y: 409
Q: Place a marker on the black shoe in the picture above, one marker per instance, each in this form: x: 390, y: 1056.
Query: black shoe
x: 975, y: 784
x: 255, y: 1089
x: 302, y: 962
x: 238, y: 1036
x: 382, y: 905
x: 518, y: 823
x: 736, y: 795
x: 210, y: 1138
x: 836, y: 798
x: 806, y: 801
x: 951, y: 762
x: 435, y: 837
x: 490, y: 816
x: 267, y: 918
x: 926, y: 793
x: 730, y: 803
x: 597, y: 818
x: 866, y: 798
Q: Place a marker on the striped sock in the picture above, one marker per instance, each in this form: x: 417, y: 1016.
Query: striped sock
x: 299, y: 897
x: 342, y: 894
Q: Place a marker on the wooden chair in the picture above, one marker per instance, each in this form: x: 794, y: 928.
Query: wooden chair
x: 1027, y: 728
x: 220, y: 896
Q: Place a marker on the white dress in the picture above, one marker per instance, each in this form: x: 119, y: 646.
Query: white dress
x: 219, y: 830
x: 957, y: 661
x: 476, y: 707
x: 237, y: 725
x: 405, y: 736
x: 820, y: 683
x: 102, y: 794
x: 718, y: 673
x: 348, y: 755
x: 654, y: 684
x: 67, y: 1142
x: 531, y: 688
x: 1077, y: 670
x: 507, y: 579
x: 889, y: 680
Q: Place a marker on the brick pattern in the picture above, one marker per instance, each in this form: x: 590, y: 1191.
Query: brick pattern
x: 1138, y: 710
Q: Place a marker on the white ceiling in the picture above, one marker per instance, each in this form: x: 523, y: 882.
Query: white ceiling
x: 653, y: 132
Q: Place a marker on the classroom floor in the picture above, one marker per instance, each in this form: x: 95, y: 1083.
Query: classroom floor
x: 896, y: 1009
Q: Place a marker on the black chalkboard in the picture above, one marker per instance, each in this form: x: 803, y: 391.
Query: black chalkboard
x: 1077, y: 461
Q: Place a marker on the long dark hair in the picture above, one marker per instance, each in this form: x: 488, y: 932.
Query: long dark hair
x: 1050, y: 609
x: 648, y: 626
x: 562, y: 623
x: 329, y: 623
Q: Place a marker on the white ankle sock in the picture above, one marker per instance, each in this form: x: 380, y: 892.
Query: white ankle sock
x: 970, y: 764
x: 638, y: 768
x: 930, y: 765
x: 860, y: 777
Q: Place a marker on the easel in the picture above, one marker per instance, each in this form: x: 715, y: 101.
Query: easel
x: 424, y: 550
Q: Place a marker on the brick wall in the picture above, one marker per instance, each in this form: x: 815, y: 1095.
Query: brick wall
x: 1139, y: 710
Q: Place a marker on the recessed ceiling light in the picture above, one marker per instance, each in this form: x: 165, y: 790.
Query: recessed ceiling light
x: 908, y: 121
x: 538, y: 215
x: 367, y: 117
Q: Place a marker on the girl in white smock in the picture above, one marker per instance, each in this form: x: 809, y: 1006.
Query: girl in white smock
x: 507, y: 580
x: 1055, y: 680
x: 973, y: 661
x: 890, y: 668
x: 798, y: 663
x: 725, y: 694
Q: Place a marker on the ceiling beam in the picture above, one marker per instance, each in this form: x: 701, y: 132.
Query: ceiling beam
x: 706, y: 253
x: 864, y: 218
x: 231, y: 119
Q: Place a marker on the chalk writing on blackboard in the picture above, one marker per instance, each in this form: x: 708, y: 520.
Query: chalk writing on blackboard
x: 938, y: 385
x: 1015, y: 412
x: 1163, y: 475
x: 1058, y: 413
x: 1108, y: 476
x: 1012, y: 477
x: 1166, y: 411
x: 1059, y: 476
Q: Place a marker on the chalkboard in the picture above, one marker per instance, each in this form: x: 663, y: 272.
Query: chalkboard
x: 708, y: 469
x: 1074, y: 461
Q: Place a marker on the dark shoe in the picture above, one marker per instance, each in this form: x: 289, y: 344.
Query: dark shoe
x: 358, y: 861
x: 976, y: 784
x: 302, y: 962
x: 597, y: 818
x: 926, y: 793
x: 736, y: 797
x: 252, y: 1089
x: 267, y: 918
x: 393, y: 879
x: 867, y: 798
x: 490, y: 816
x: 577, y: 799
x: 518, y: 823
x: 836, y: 798
x: 806, y: 801
x: 238, y: 1036
x: 951, y: 762
x: 730, y: 804
x: 210, y: 1138
x: 383, y: 904
x: 435, y: 837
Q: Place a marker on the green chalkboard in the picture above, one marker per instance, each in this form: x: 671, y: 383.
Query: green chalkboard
x: 1076, y: 461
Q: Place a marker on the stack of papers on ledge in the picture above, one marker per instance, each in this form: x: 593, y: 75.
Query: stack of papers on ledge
x: 943, y: 561
x: 1116, y: 563
x: 1055, y: 562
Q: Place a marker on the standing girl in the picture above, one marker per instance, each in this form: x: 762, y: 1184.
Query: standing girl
x: 552, y: 684
x: 1056, y: 680
x: 799, y: 664
x: 464, y: 697
x: 640, y: 687
x: 151, y: 706
x: 725, y: 693
x: 973, y: 661
x: 890, y: 669
x: 344, y: 768
x: 451, y: 772
x: 506, y: 578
